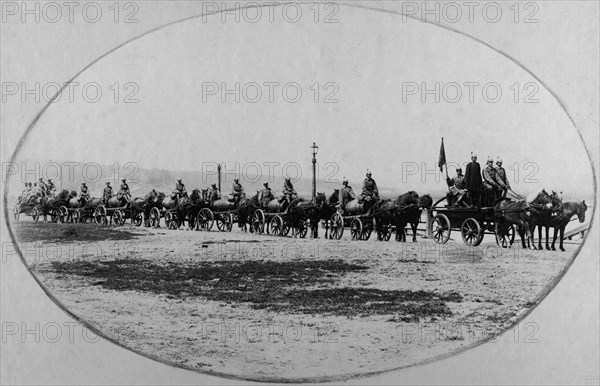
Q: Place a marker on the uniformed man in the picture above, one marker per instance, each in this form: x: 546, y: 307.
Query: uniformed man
x: 346, y: 193
x: 107, y: 193
x: 473, y: 180
x: 214, y: 193
x: 288, y: 193
x: 237, y: 191
x: 124, y: 193
x: 492, y: 188
x: 179, y: 189
x: 369, y: 188
x: 502, y: 178
x: 42, y: 186
x: 83, y: 192
x: 265, y: 195
x: 457, y: 187
x: 23, y: 193
x: 50, y: 187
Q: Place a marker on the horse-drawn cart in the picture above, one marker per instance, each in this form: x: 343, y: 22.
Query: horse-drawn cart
x: 357, y: 216
x: 278, y: 221
x: 116, y: 212
x: 472, y: 223
x: 30, y: 208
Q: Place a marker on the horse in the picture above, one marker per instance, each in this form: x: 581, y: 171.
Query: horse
x: 188, y: 207
x: 246, y: 209
x: 570, y: 208
x: 50, y: 204
x: 151, y: 200
x: 545, y: 210
x: 384, y: 215
x: 506, y: 213
x: 408, y: 212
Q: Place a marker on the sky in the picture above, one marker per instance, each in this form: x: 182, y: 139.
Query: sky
x: 372, y: 66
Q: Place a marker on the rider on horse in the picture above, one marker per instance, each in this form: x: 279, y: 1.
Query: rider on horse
x: 179, y: 189
x: 124, y: 193
x: 237, y: 191
x: 107, y: 193
x: 265, y: 195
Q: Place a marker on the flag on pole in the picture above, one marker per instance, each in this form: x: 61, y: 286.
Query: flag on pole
x: 442, y: 160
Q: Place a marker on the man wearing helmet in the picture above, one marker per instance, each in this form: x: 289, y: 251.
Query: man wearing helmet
x: 457, y: 187
x: 124, y: 193
x: 490, y: 182
x: 265, y: 195
x: 83, y: 192
x: 179, y: 189
x: 50, y: 188
x: 502, y: 179
x: 289, y: 193
x: 369, y: 188
x: 473, y: 180
x: 236, y: 191
x: 346, y: 193
x: 107, y: 193
x: 214, y: 193
x: 42, y: 186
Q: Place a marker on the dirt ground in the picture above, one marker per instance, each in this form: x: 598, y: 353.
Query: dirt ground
x: 281, y: 309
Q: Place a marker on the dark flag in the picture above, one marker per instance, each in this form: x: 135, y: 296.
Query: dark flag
x: 442, y: 160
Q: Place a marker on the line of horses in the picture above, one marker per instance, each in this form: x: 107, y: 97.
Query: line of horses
x: 545, y: 211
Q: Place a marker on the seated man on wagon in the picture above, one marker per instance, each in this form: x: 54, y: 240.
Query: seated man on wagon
x: 237, y: 191
x: 501, y: 178
x: 490, y: 182
x: 346, y: 193
x: 124, y: 194
x: 50, y: 188
x: 23, y: 194
x: 179, y: 190
x: 214, y: 194
x: 370, y: 192
x: 265, y: 195
x: 288, y: 194
x: 107, y: 193
x: 42, y: 187
x: 83, y: 192
x: 457, y: 187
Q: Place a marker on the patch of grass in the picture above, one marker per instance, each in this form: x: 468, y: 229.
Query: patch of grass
x: 270, y: 285
x: 26, y: 232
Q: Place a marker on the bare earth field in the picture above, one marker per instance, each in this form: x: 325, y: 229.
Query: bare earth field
x: 285, y: 309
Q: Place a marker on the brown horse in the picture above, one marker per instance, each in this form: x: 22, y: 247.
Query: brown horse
x: 506, y: 213
x: 151, y: 200
x: 570, y: 208
x: 246, y: 209
x: 408, y: 212
x: 545, y: 209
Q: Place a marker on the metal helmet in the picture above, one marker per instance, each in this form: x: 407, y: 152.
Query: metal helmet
x: 458, y: 169
x: 368, y: 173
x: 236, y: 179
x: 499, y: 160
x: 124, y: 180
x: 178, y: 179
x: 345, y: 180
x: 83, y: 183
x: 490, y: 159
x: 266, y: 183
x: 214, y: 185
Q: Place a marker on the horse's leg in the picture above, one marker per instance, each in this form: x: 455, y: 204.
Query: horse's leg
x: 414, y: 229
x: 562, y: 236
x: 554, y: 237
x: 539, y: 229
x: 547, y: 237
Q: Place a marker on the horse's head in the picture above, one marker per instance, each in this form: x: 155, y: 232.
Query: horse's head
x: 542, y: 198
x: 204, y: 194
x: 196, y: 195
x: 160, y: 197
x: 320, y: 199
x: 150, y: 196
x: 425, y: 201
x: 72, y: 194
x: 334, y: 198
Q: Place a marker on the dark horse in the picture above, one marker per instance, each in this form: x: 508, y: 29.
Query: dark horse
x: 151, y: 200
x: 314, y: 211
x: 246, y: 209
x: 543, y: 215
x: 570, y: 208
x: 410, y: 206
x: 51, y: 204
x: 188, y: 208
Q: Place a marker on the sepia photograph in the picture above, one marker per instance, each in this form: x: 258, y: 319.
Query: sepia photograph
x: 357, y: 192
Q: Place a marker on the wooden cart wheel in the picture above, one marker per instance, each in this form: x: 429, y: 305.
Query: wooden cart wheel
x: 76, y: 216
x: 440, y: 228
x: 116, y: 217
x: 17, y: 211
x: 471, y: 232
x: 137, y: 219
x: 35, y: 214
x: 276, y: 226
x: 510, y: 234
x: 155, y: 218
x: 367, y: 230
x: 169, y: 220
x: 204, y: 219
x: 224, y: 221
x: 258, y: 221
x: 336, y: 229
x: 53, y: 215
x: 356, y: 229
x: 99, y: 215
x: 63, y: 213
x: 285, y: 229
x: 301, y: 229
x: 228, y: 222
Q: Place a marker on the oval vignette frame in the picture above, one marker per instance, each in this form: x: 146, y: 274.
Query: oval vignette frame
x: 515, y: 320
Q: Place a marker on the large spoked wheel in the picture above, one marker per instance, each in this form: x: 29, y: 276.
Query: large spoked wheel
x: 367, y: 230
x: 137, y: 219
x: 440, y: 228
x: 17, y: 212
x: 383, y: 232
x: 63, y: 214
x: 169, y: 220
x: 509, y: 234
x: 276, y: 226
x: 356, y: 229
x: 224, y: 222
x: 301, y: 229
x: 116, y: 217
x: 258, y: 221
x: 154, y: 218
x: 99, y: 215
x: 53, y: 215
x: 204, y: 220
x: 76, y: 216
x: 337, y: 226
x: 471, y: 232
x: 35, y: 214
